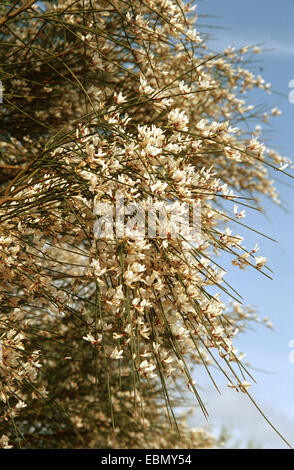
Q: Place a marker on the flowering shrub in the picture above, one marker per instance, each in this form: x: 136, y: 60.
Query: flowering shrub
x: 102, y: 97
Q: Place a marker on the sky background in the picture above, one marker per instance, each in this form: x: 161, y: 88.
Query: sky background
x: 271, y: 23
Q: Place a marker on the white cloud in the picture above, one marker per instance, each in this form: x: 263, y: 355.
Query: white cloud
x: 244, y: 423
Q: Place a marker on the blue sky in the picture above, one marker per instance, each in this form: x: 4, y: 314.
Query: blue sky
x: 271, y: 23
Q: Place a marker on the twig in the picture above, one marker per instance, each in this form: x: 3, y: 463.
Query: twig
x: 22, y: 8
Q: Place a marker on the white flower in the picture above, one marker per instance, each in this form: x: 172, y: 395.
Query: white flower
x: 244, y: 386
x: 20, y: 405
x: 260, y: 261
x: 130, y: 277
x: 276, y: 112
x: 184, y: 88
x: 146, y: 367
x: 137, y: 267
x: 201, y: 124
x: 204, y: 82
x: 193, y: 35
x: 98, y: 271
x: 92, y: 340
x: 4, y: 442
x: 158, y: 187
x: 256, y: 248
x: 94, y: 92
x: 179, y: 119
x: 117, y: 336
x: 119, y: 98
x: 145, y: 331
x: 116, y: 354
x: 144, y: 88
x: 232, y: 154
x: 239, y: 215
